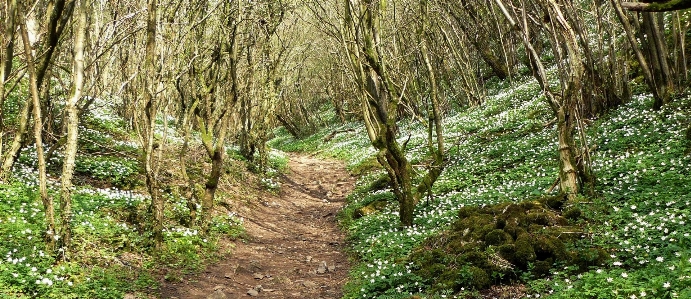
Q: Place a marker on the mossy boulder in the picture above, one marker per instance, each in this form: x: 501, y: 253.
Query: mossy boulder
x: 525, y: 253
x: 508, y: 252
x: 467, y: 211
x: 476, y: 278
x: 541, y: 268
x: 506, y: 238
x: 539, y: 218
x: 497, y: 237
x: 572, y: 214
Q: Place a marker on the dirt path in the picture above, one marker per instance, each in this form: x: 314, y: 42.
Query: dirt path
x: 295, y: 249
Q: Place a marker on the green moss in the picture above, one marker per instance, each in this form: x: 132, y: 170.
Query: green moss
x: 538, y: 218
x: 555, y: 201
x: 497, y: 237
x: 382, y: 182
x: 371, y: 208
x: 524, y: 250
x: 508, y: 252
x: 526, y: 237
x: 530, y: 204
x: 500, y: 223
x: 541, y: 268
x: 572, y: 213
x: 480, y: 278
x: 467, y: 211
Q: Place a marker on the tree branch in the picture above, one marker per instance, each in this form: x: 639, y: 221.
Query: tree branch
x: 668, y: 5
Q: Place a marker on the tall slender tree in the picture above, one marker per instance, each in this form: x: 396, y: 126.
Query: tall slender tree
x: 72, y: 123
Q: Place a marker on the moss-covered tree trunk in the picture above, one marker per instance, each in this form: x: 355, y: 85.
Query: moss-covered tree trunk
x: 212, y: 185
x: 147, y: 122
x: 380, y: 101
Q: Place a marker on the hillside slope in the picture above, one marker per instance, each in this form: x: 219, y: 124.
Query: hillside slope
x: 505, y: 151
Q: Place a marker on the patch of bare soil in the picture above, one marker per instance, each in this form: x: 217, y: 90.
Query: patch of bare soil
x: 294, y: 249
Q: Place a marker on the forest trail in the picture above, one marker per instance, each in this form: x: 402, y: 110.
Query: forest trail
x: 294, y: 248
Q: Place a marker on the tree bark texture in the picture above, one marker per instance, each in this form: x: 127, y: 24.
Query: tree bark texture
x: 38, y: 125
x: 72, y: 127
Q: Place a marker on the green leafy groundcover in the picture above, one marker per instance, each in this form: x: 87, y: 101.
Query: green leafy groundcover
x: 501, y: 153
x: 112, y: 244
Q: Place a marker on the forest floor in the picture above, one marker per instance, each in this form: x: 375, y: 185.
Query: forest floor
x: 293, y: 248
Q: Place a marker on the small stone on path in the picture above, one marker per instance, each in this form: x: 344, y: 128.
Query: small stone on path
x: 309, y: 284
x: 258, y: 276
x: 217, y: 294
x: 322, y: 268
x: 252, y: 292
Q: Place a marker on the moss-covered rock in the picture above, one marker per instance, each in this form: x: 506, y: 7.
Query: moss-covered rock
x: 467, y: 211
x: 539, y: 218
x: 541, y: 268
x: 508, y: 252
x: 497, y: 237
x: 479, y: 278
x: 555, y: 201
x: 529, y: 236
x: 572, y: 213
x: 524, y: 250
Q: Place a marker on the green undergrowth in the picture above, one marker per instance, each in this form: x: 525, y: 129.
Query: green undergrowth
x: 112, y: 253
x: 629, y: 238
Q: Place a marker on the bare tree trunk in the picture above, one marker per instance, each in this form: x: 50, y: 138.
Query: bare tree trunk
x: 481, y: 46
x: 72, y: 127
x: 212, y: 180
x: 6, y: 55
x: 38, y: 125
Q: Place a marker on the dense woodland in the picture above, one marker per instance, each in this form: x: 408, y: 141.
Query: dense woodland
x: 519, y: 148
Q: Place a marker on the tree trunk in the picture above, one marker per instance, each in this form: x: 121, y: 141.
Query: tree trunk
x: 568, y: 175
x: 6, y: 55
x: 565, y: 105
x: 72, y: 128
x: 211, y: 186
x: 59, y: 15
x: 645, y: 67
x: 13, y: 152
x: 148, y: 123
x: 479, y: 43
x: 38, y: 125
